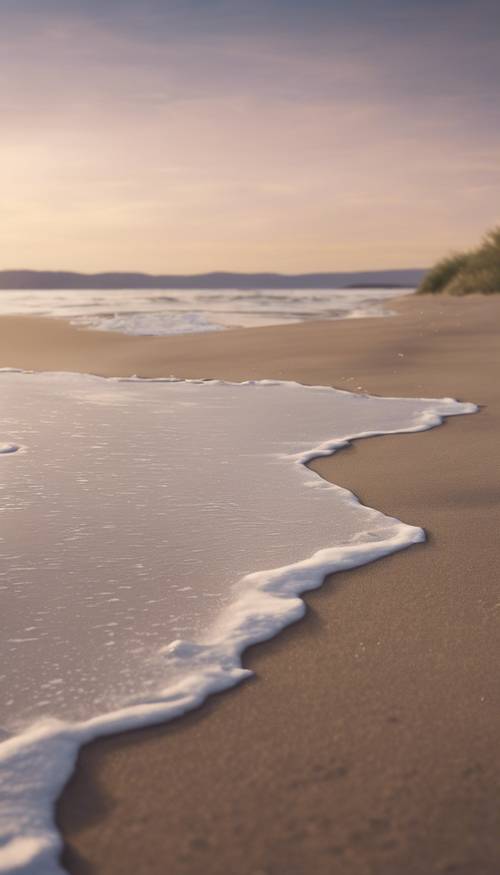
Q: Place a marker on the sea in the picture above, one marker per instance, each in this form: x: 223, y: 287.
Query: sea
x: 149, y: 312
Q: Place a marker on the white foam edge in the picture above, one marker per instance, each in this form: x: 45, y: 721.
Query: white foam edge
x: 36, y: 765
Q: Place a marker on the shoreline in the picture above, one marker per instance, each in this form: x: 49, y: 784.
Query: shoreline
x: 347, y: 793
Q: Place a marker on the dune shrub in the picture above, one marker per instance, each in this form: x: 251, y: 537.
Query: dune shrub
x: 442, y: 273
x: 467, y: 273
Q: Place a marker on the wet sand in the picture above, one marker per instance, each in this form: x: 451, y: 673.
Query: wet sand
x: 367, y: 742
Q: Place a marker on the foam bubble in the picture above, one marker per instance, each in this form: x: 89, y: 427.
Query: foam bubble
x: 8, y: 448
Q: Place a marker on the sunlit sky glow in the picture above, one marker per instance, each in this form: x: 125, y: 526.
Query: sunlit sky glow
x: 258, y: 135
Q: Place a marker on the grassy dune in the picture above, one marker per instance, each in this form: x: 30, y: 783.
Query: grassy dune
x: 467, y: 273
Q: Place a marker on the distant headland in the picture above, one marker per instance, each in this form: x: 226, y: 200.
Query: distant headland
x: 38, y: 280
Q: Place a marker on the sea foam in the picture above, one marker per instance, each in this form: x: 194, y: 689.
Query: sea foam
x: 151, y: 531
x: 156, y: 312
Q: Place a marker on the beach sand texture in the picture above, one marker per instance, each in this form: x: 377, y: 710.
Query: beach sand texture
x: 367, y: 742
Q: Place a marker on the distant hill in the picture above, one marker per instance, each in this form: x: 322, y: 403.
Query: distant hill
x: 37, y: 279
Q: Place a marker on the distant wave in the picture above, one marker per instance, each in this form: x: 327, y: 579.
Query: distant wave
x: 149, y: 323
x: 149, y: 312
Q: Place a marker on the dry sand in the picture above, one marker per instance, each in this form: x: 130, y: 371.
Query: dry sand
x: 367, y: 743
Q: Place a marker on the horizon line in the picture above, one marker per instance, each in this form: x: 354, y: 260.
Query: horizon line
x: 214, y: 272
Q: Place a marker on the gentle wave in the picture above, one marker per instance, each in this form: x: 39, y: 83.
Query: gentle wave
x: 146, y: 472
x: 149, y: 312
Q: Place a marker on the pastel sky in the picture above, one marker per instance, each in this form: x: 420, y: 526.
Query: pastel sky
x: 192, y: 135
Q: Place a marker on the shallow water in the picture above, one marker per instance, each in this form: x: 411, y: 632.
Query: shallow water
x: 180, y: 312
x: 150, y: 530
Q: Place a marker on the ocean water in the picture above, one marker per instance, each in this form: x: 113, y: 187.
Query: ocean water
x: 151, y: 531
x: 152, y: 312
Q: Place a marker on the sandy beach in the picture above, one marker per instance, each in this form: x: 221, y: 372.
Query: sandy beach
x: 367, y: 741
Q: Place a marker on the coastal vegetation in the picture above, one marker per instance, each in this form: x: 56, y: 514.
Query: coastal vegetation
x: 466, y: 273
